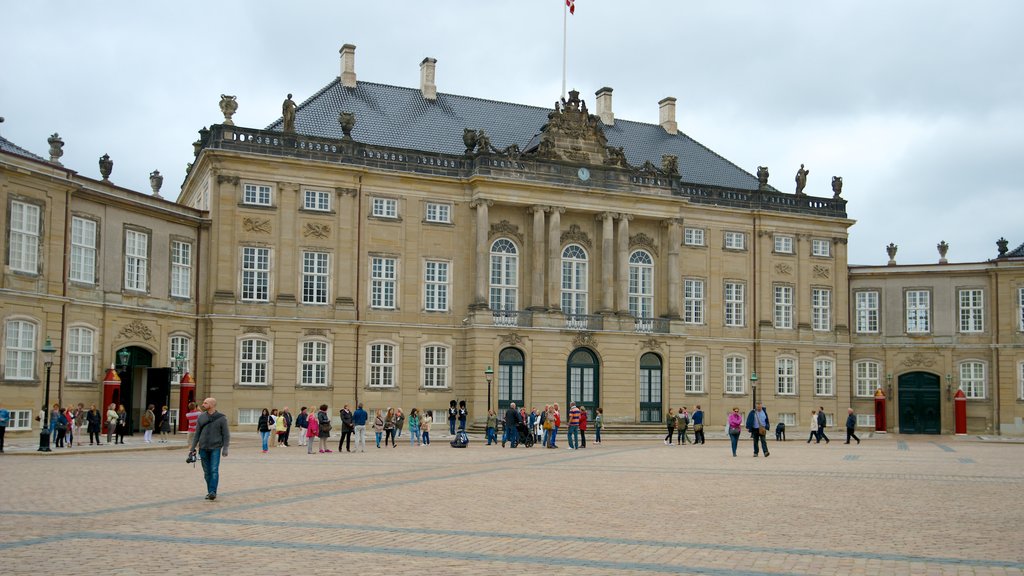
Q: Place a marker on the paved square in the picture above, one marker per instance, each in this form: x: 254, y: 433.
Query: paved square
x: 892, y: 505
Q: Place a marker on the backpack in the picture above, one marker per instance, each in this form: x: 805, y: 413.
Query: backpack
x: 461, y: 439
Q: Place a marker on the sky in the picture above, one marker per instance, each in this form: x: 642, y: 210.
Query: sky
x: 916, y: 104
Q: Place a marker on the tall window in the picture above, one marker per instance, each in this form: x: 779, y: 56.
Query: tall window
x: 136, y: 260
x: 80, y: 354
x: 783, y: 244
x: 504, y: 275
x: 255, y: 274
x: 385, y: 207
x: 821, y: 309
x: 435, y: 280
x: 382, y: 366
x: 972, y: 307
x: 693, y: 236
x: 867, y: 312
x: 972, y: 379
x: 435, y: 367
x: 1020, y: 309
x: 383, y: 280
x: 734, y: 307
x: 824, y: 377
x: 1020, y: 380
x: 641, y: 284
x: 785, y: 372
x: 182, y: 345
x: 735, y: 374
x: 181, y: 269
x: 24, y: 237
x: 256, y: 194
x: 694, y: 373
x: 314, y: 363
x: 21, y: 350
x: 315, y: 269
x: 253, y: 360
x: 318, y: 200
x: 441, y: 213
x: 574, y: 280
x: 918, y: 310
x: 735, y: 241
x: 83, y: 250
x: 783, y: 306
x: 821, y: 248
x: 693, y: 301
x: 866, y: 378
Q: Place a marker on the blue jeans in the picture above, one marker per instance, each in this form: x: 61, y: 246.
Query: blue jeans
x: 451, y: 427
x: 597, y: 435
x: 554, y: 436
x: 764, y: 443
x: 511, y: 435
x: 377, y: 434
x: 491, y: 436
x: 211, y: 468
x: 574, y: 436
x: 414, y: 436
x: 734, y: 439
x: 265, y: 436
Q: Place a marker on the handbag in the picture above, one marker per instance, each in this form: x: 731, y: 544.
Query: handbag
x: 734, y: 430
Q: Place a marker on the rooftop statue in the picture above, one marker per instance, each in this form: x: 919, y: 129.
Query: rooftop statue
x: 762, y: 176
x: 801, y: 179
x: 288, y: 114
x: 837, y: 186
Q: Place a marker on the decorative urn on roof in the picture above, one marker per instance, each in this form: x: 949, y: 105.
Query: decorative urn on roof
x: 106, y: 167
x: 156, y: 180
x: 56, y: 147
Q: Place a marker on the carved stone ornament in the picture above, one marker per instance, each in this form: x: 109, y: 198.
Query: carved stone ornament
x: 801, y: 180
x: 1002, y: 245
x: 506, y: 228
x: 651, y: 344
x: 762, y: 177
x: 258, y: 225
x: 137, y: 330
x: 56, y: 147
x: 348, y: 122
x: 156, y: 180
x: 918, y: 359
x: 469, y: 139
x: 642, y: 240
x: 228, y: 106
x: 572, y: 134
x: 943, y: 248
x: 784, y: 269
x: 106, y: 167
x: 820, y: 271
x: 891, y: 251
x: 228, y: 179
x: 670, y: 164
x: 837, y: 186
x: 254, y: 330
x: 316, y: 332
x: 575, y: 235
x: 512, y: 338
x: 322, y: 231
x: 584, y: 339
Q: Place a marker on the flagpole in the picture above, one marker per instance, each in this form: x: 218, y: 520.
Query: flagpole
x: 565, y: 28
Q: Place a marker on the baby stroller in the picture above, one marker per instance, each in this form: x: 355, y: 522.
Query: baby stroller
x: 525, y: 434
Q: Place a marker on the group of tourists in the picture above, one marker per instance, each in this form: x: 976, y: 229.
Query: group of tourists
x: 66, y: 424
x: 678, y: 422
x: 757, y: 425
x: 542, y: 426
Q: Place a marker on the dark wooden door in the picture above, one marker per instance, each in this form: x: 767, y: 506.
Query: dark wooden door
x: 920, y: 403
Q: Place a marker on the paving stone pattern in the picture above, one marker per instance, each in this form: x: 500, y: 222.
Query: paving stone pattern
x: 892, y: 505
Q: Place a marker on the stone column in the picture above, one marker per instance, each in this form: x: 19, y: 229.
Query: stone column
x: 537, y: 287
x: 555, y: 258
x: 623, y: 259
x: 289, y: 260
x: 224, y: 199
x: 672, y: 224
x: 607, y: 262
x: 480, y: 300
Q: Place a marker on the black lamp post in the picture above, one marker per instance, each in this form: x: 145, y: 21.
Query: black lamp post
x: 489, y: 375
x: 123, y: 355
x: 753, y: 387
x: 44, y: 434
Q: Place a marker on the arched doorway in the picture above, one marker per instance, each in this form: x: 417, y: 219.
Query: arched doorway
x: 650, y: 388
x: 583, y: 380
x: 132, y: 371
x: 920, y: 407
x: 511, y: 363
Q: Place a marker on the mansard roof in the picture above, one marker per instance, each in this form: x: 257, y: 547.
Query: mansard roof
x: 400, y: 117
x: 12, y: 148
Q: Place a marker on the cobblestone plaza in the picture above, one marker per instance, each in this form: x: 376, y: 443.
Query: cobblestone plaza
x: 891, y: 505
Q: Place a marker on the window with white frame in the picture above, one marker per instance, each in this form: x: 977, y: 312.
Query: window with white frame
x: 504, y: 294
x: 693, y: 236
x: 439, y: 213
x: 23, y: 248
x: 641, y: 284
x: 382, y: 366
x: 821, y: 309
x: 315, y: 270
x: 972, y: 307
x: 734, y: 306
x: 80, y: 354
x: 918, y: 311
x: 735, y: 374
x: 693, y: 374
x: 865, y: 420
x: 435, y: 285
x: 783, y: 306
x: 383, y: 282
x: 821, y: 248
x: 83, y: 250
x: 256, y: 195
x: 785, y: 373
x: 783, y: 244
x: 136, y: 260
x: 574, y: 280
x: 385, y: 207
x: 318, y: 200
x: 249, y: 416
x: 866, y: 302
x: 1020, y: 309
x: 20, y: 345
x: 255, y: 274
x: 693, y: 301
x: 735, y: 241
x: 824, y: 377
x: 435, y: 366
x: 829, y: 419
x: 253, y: 359
x: 181, y: 269
x: 787, y: 418
x: 314, y: 363
x: 181, y: 345
x: 972, y: 379
x: 866, y: 378
x: 1020, y: 380
x: 19, y: 420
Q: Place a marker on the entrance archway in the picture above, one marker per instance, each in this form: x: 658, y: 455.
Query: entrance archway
x: 583, y: 380
x: 920, y: 406
x: 511, y: 363
x: 133, y: 375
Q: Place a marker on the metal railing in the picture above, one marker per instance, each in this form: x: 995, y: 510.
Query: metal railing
x: 513, y: 318
x: 651, y: 325
x: 589, y: 322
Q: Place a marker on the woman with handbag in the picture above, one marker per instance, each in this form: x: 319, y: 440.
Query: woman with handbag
x: 263, y: 427
x: 670, y: 425
x: 122, y: 424
x: 735, y: 422
x: 389, y: 428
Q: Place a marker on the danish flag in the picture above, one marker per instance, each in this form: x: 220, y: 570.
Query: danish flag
x: 572, y: 6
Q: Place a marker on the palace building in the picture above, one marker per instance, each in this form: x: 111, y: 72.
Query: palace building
x: 407, y: 247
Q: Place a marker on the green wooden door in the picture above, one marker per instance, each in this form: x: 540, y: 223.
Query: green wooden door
x: 920, y: 403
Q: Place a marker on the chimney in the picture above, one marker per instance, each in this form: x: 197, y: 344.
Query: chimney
x: 427, y: 86
x: 667, y: 109
x: 348, y: 65
x: 604, y: 106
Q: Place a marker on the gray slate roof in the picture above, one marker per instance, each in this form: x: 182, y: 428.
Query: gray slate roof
x: 12, y: 148
x: 1017, y: 252
x: 401, y: 118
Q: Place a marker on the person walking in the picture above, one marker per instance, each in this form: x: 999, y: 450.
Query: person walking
x: 148, y: 422
x: 192, y: 417
x: 272, y: 426
x: 735, y: 421
x: 60, y: 428
x: 378, y: 425
x: 698, y: 425
x: 399, y: 422
x: 323, y: 429
x: 670, y: 425
x: 512, y: 419
x: 598, y: 425
x: 280, y: 429
x: 347, y: 428
x: 311, y: 431
x: 5, y: 419
x: 556, y: 423
x: 359, y: 418
x: 80, y: 422
x: 288, y: 420
x: 111, y: 422
x: 425, y: 423
x: 546, y: 424
x: 822, y: 422
x: 489, y: 428
x: 212, y: 438
x: 263, y: 427
x: 389, y: 428
x: 757, y: 424
x: 851, y: 426
x: 814, y: 427
x: 94, y: 421
x: 574, y: 426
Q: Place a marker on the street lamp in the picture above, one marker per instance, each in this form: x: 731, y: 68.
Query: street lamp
x: 753, y: 386
x: 123, y: 355
x: 489, y: 375
x: 178, y: 366
x: 44, y: 434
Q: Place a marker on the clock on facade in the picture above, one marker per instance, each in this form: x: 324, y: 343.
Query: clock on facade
x: 584, y: 174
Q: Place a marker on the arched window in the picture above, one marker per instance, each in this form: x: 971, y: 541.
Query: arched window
x: 583, y: 380
x: 511, y: 364
x: 650, y: 388
x: 504, y: 275
x: 574, y: 280
x: 253, y: 359
x: 80, y: 354
x: 314, y: 363
x: 866, y: 378
x: 641, y: 284
x: 20, y: 345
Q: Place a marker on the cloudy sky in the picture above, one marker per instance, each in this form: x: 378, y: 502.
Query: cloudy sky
x: 916, y: 104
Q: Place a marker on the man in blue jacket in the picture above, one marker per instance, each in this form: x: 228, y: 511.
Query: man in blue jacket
x: 359, y: 419
x: 757, y: 425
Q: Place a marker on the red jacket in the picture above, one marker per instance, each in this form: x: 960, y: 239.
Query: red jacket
x: 583, y: 420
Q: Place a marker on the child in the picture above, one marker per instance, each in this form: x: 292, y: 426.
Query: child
x: 598, y: 425
x: 312, y: 431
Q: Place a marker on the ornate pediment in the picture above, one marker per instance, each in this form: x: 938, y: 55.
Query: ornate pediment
x: 135, y: 330
x: 575, y: 235
x: 574, y: 135
x: 512, y: 338
x: 642, y: 240
x: 506, y: 228
x: 918, y: 360
x: 584, y: 339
